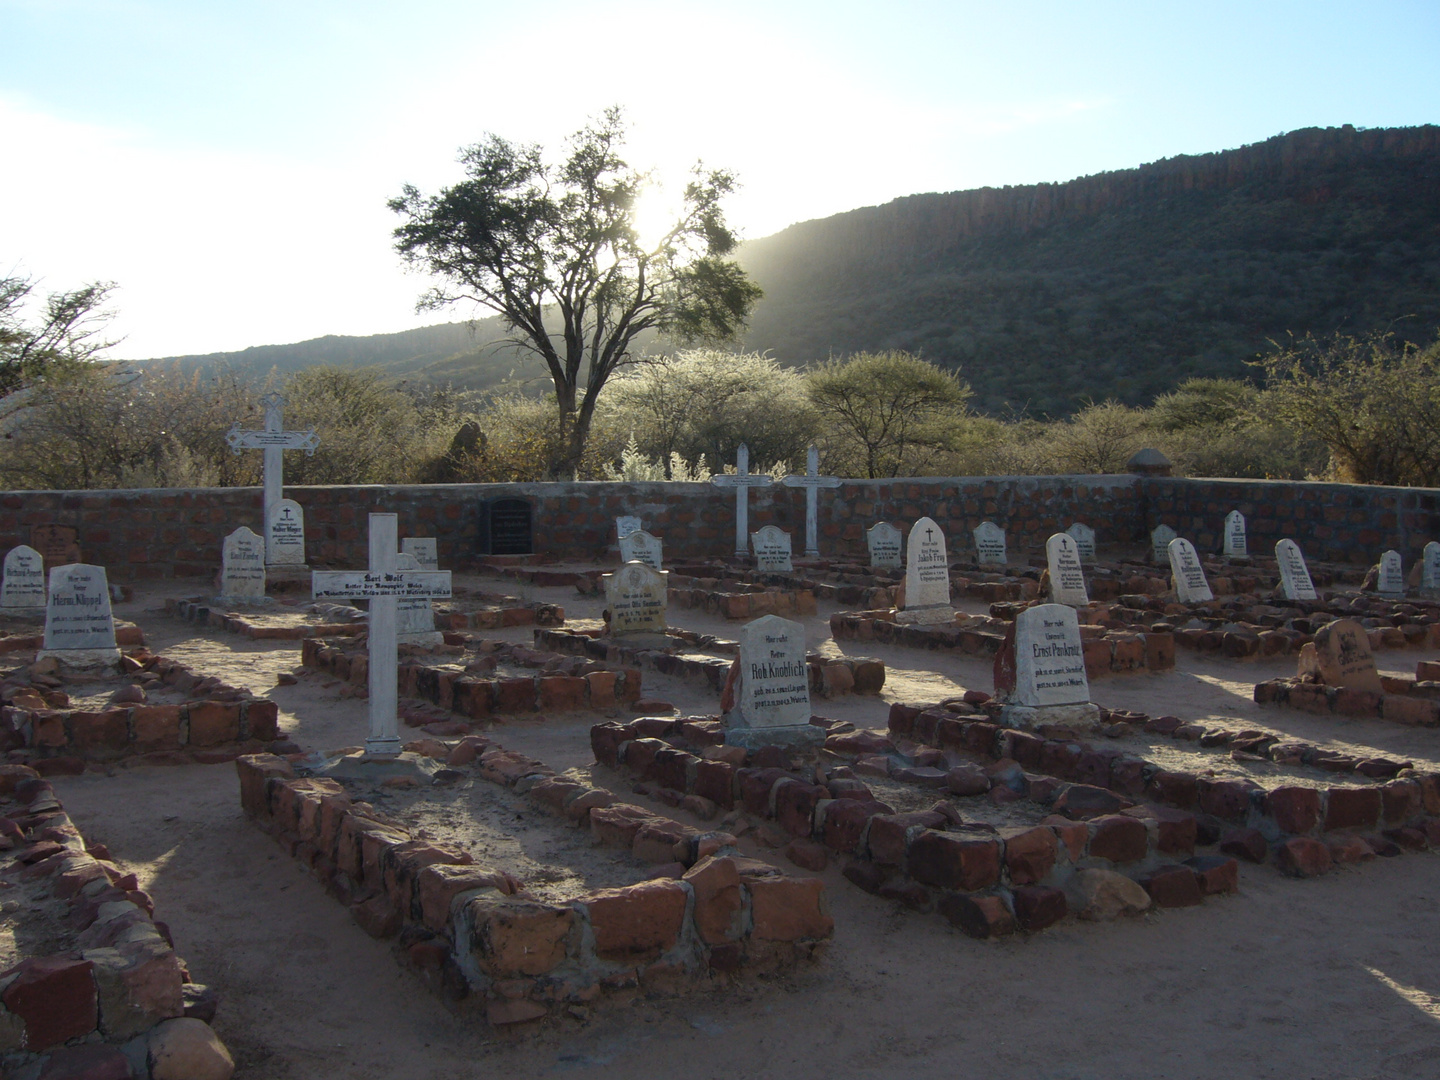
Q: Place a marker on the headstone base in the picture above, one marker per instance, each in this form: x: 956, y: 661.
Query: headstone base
x: 1082, y: 717
x: 241, y: 603
x: 428, y: 640
x: 82, y: 661
x: 791, y: 737
x: 369, y: 766
x: 939, y: 615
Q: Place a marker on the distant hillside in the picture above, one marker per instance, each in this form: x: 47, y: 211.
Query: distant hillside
x: 1123, y: 283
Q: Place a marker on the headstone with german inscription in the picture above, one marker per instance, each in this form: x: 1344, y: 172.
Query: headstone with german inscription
x: 927, y: 576
x: 884, y: 541
x: 425, y: 549
x: 79, y: 628
x: 1040, y: 674
x: 772, y: 704
x: 22, y: 592
x: 1295, y: 583
x: 1190, y: 584
x: 989, y: 544
x: 1391, y: 582
x: 772, y: 550
x: 286, y: 527
x: 1430, y: 570
x: 636, y: 596
x: 1160, y: 543
x: 1084, y: 537
x: 1342, y: 653
x: 242, y: 568
x: 1067, y: 579
x: 640, y: 546
x: 1235, y: 544
x: 625, y: 524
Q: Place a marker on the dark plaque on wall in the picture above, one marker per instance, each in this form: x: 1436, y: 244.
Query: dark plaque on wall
x: 505, y: 527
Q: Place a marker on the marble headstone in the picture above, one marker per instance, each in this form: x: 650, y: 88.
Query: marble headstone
x: 884, y: 540
x: 1084, y: 537
x: 625, y: 524
x: 242, y: 568
x: 636, y: 595
x: 1235, y: 536
x: 415, y: 616
x: 1067, y: 579
x: 287, y: 533
x: 1392, y: 580
x: 79, y: 629
x: 772, y: 702
x: 989, y: 544
x: 1342, y: 652
x: 1190, y: 584
x: 1295, y: 581
x: 425, y: 550
x: 1430, y: 569
x: 1160, y: 543
x: 23, y: 588
x: 1040, y: 673
x: 772, y: 550
x: 640, y: 546
x: 927, y: 576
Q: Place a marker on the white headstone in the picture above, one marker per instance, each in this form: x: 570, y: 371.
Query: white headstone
x: 242, y: 569
x: 742, y: 480
x: 1392, y: 580
x: 287, y: 533
x: 927, y: 574
x: 23, y: 588
x: 415, y: 616
x: 78, y: 613
x: 1190, y: 584
x: 772, y: 550
x: 1067, y: 579
x: 812, y: 482
x: 1049, y: 657
x: 1235, y: 536
x: 636, y: 595
x: 884, y: 541
x: 1160, y: 543
x: 274, y: 440
x: 1295, y: 580
x: 774, y: 690
x: 625, y: 524
x: 990, y: 544
x: 1430, y: 568
x: 640, y: 546
x: 1084, y: 537
x: 425, y: 550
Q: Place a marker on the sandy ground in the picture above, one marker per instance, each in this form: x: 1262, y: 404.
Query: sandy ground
x: 1332, y: 978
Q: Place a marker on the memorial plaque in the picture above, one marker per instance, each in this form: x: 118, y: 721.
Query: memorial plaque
x: 1392, y: 580
x: 425, y: 549
x: 1295, y: 581
x: 1342, y: 652
x: 57, y: 544
x: 772, y: 550
x: 1430, y: 568
x: 636, y: 595
x: 379, y: 584
x: 78, y: 613
x: 1235, y: 547
x: 1190, y: 584
x: 1049, y: 658
x: 23, y: 587
x: 625, y: 525
x: 774, y: 686
x: 990, y: 544
x: 1160, y: 543
x: 1084, y: 537
x: 287, y: 533
x: 640, y: 546
x: 927, y: 574
x: 506, y: 527
x: 1067, y: 579
x: 242, y: 571
x: 884, y: 542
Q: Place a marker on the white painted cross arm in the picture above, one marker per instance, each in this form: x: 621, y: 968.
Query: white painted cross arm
x: 742, y: 480
x: 239, y: 439
x: 367, y: 585
x: 796, y: 480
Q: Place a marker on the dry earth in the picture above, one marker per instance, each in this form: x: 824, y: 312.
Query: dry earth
x: 1337, y: 977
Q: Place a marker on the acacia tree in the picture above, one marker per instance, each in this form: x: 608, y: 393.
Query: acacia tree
x: 69, y: 330
x: 553, y: 250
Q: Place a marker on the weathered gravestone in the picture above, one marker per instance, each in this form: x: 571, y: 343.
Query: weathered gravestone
x: 989, y: 544
x: 1343, y: 657
x: 812, y: 482
x: 1040, y: 671
x: 506, y: 527
x: 772, y: 701
x: 1067, y: 579
x: 1160, y: 543
x: 1430, y: 570
x: 286, y: 525
x: 1295, y: 583
x: 424, y: 548
x: 625, y: 524
x: 1235, y: 547
x: 1084, y: 537
x: 1391, y: 582
x: 242, y: 568
x: 415, y: 616
x: 640, y: 546
x: 22, y: 592
x: 636, y: 596
x: 772, y: 550
x: 884, y: 542
x: 57, y: 544
x: 1190, y: 584
x: 927, y: 576
x: 79, y: 629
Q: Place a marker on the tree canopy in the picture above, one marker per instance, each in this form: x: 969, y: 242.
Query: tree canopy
x: 70, y: 329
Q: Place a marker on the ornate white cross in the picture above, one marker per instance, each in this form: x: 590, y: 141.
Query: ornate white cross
x: 812, y: 482
x: 274, y: 440
x: 742, y: 480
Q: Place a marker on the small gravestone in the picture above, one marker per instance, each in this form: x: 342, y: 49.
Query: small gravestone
x: 927, y: 576
x: 1343, y: 656
x: 287, y: 534
x: 772, y: 550
x: 636, y: 596
x: 1040, y: 672
x: 1067, y: 579
x: 415, y: 616
x: 1190, y: 584
x: 1160, y: 543
x: 625, y: 524
x: 57, y: 544
x: 506, y: 527
x: 884, y: 542
x: 1430, y: 570
x: 424, y: 548
x: 989, y: 544
x: 22, y: 592
x: 1295, y: 583
x: 242, y: 568
x: 79, y: 629
x: 1084, y: 537
x: 772, y: 701
x: 1391, y: 582
x: 640, y: 546
x: 1235, y: 536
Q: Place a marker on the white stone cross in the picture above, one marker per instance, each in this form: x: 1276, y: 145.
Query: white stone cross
x: 812, y: 482
x: 382, y: 585
x: 742, y: 480
x: 274, y: 440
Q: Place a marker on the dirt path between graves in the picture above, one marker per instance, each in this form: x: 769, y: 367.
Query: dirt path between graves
x: 1331, y: 978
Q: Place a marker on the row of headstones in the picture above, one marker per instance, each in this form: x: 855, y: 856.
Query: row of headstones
x: 76, y: 604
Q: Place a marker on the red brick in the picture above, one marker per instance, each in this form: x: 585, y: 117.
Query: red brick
x: 1176, y: 788
x: 1245, y: 843
x: 1175, y: 830
x: 618, y: 825
x: 789, y: 909
x: 1352, y: 808
x: 262, y: 719
x: 795, y: 807
x: 1215, y: 874
x: 515, y: 937
x: 954, y: 860
x: 562, y: 692
x: 1229, y: 800
x: 1038, y: 906
x: 755, y: 786
x: 1295, y: 809
x: 1118, y: 838
x: 714, y: 781
x: 439, y: 884
x: 638, y: 923
x: 55, y: 998
x: 845, y: 821
x: 1401, y: 800
x: 514, y: 695
x: 1172, y: 886
x: 888, y: 838
x: 99, y: 735
x: 601, y: 689
x: 214, y: 722
x: 1418, y: 712
x: 1029, y: 857
x: 1301, y: 856
x: 719, y: 904
x: 978, y: 916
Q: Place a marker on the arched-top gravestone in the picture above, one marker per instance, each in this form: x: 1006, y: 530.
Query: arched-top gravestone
x: 989, y: 544
x: 1295, y: 581
x: 1190, y: 584
x: 640, y: 546
x: 1084, y: 537
x: 1235, y: 545
x: 772, y: 550
x: 884, y: 542
x: 23, y: 587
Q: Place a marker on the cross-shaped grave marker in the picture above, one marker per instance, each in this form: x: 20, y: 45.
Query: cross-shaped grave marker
x: 812, y: 482
x: 274, y: 440
x: 742, y: 480
x: 382, y: 585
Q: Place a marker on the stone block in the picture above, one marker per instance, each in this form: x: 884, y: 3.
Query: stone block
x: 978, y: 916
x: 512, y: 937
x: 1301, y: 856
x: 719, y: 903
x: 1172, y: 886
x: 889, y: 834
x: 562, y: 693
x: 1118, y: 838
x: 638, y: 923
x: 618, y: 824
x: 1102, y: 895
x: 789, y: 909
x: 439, y: 883
x: 1294, y: 809
x: 1175, y: 830
x: 954, y: 861
x: 1215, y: 874
x: 795, y: 805
x: 214, y: 722
x: 1245, y: 843
x: 99, y: 736
x: 1029, y: 857
x: 514, y: 695
x: 1038, y: 906
x: 714, y: 780
x: 55, y: 998
x: 1352, y: 808
x: 845, y: 821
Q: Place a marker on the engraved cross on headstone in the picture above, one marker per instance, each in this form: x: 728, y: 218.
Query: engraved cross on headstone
x: 812, y: 482
x: 742, y: 480
x: 274, y: 440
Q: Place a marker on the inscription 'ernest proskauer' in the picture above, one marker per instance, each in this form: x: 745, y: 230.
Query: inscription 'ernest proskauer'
x: 1056, y: 648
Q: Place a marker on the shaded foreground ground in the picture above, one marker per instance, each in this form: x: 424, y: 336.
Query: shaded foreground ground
x: 1329, y: 978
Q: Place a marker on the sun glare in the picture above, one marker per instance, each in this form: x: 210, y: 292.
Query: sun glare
x: 656, y: 211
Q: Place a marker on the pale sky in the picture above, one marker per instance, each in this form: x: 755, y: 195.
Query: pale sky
x: 227, y: 164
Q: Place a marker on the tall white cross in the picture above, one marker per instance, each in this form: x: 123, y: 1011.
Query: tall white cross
x: 274, y: 440
x: 382, y: 585
x: 812, y: 482
x: 742, y: 480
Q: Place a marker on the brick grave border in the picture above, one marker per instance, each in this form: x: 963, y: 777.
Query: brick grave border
x: 127, y: 636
